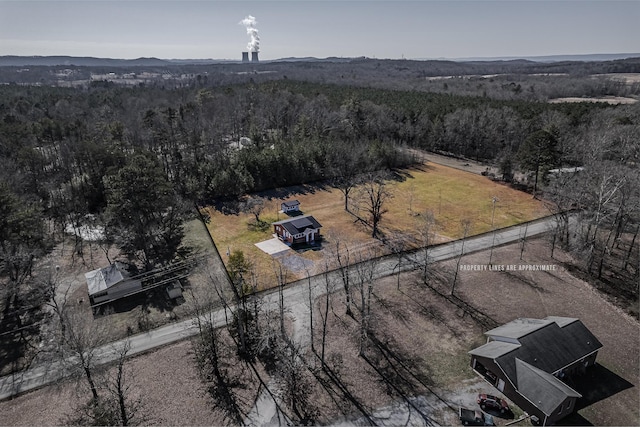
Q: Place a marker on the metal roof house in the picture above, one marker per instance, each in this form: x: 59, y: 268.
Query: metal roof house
x: 110, y: 283
x: 527, y: 359
x: 301, y: 229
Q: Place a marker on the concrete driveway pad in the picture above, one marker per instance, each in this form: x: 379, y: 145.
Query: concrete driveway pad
x: 272, y: 246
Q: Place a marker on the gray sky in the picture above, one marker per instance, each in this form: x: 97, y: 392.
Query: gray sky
x: 381, y: 29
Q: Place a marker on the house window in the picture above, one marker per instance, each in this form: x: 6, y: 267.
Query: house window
x: 560, y: 411
x: 569, y: 405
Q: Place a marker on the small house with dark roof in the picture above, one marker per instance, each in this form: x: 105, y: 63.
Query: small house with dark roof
x: 301, y: 229
x: 528, y: 359
x: 290, y: 206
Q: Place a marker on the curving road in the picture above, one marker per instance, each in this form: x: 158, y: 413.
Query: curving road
x: 296, y: 298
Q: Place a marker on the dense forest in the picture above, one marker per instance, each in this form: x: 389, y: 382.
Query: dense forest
x: 135, y: 158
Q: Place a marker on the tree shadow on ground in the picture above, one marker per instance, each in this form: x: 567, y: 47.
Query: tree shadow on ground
x: 422, y: 167
x: 333, y: 384
x: 233, y: 205
x: 286, y: 192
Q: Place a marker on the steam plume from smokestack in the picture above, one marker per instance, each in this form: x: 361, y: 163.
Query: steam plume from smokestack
x: 250, y: 24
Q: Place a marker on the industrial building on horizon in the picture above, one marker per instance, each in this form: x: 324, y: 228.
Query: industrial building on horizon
x: 254, y: 57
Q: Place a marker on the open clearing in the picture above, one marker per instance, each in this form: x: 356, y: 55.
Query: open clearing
x: 423, y: 328
x: 451, y: 194
x: 613, y: 100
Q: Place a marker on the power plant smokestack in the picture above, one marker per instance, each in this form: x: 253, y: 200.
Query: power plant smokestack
x: 245, y: 56
x: 254, y: 56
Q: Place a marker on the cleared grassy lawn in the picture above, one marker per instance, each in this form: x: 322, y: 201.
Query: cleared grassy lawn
x: 451, y: 194
x: 454, y: 195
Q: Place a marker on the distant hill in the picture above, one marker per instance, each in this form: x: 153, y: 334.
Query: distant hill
x: 595, y: 57
x: 83, y: 61
x: 326, y: 67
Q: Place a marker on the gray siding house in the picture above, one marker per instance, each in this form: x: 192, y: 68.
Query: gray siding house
x: 110, y: 283
x: 527, y: 360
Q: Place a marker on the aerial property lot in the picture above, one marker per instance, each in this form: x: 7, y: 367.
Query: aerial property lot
x: 418, y: 350
x: 452, y: 196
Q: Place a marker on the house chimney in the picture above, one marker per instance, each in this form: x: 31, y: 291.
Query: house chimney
x: 254, y: 56
x: 245, y: 56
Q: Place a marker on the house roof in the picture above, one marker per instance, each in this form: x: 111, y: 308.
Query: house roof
x: 103, y: 278
x: 299, y: 224
x: 542, y: 347
x: 518, y: 328
x: 541, y: 388
x: 561, y: 321
x: 551, y: 347
x: 290, y: 203
x: 494, y: 349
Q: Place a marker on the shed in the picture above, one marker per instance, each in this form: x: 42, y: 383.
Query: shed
x: 290, y: 206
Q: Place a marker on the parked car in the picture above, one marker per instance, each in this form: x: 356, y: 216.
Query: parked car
x: 470, y: 417
x: 487, y: 401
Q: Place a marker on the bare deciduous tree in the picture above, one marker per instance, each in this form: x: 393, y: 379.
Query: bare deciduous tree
x: 427, y: 231
x: 82, y: 338
x: 329, y: 287
x: 297, y: 386
x: 398, y: 248
x: 365, y: 274
x: 119, y: 385
x: 374, y: 194
x: 344, y: 264
x: 466, y: 228
x: 211, y: 352
x: 254, y: 206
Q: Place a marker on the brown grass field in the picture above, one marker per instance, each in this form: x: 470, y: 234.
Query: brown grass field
x: 451, y: 194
